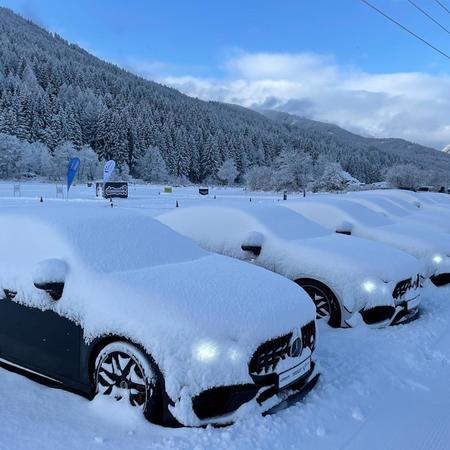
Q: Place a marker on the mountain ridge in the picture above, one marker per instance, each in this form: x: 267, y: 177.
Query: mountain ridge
x: 305, y: 122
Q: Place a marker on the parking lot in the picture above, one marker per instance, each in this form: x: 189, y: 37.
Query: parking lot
x: 385, y: 386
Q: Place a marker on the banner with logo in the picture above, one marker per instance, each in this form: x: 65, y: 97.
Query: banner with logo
x: 108, y: 170
x: 115, y: 189
x: 72, y: 169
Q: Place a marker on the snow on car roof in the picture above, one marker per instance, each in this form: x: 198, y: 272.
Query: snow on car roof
x: 279, y: 221
x: 380, y: 204
x: 402, y: 203
x: 409, y: 196
x: 322, y: 208
x: 91, y: 235
x: 285, y: 223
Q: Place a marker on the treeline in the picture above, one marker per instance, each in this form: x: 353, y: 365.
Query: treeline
x: 290, y: 171
x: 21, y: 160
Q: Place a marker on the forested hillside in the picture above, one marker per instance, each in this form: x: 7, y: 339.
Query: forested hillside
x: 424, y: 157
x: 58, y: 95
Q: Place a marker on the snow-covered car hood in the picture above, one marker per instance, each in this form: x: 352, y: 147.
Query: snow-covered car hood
x: 201, y: 316
x: 362, y: 257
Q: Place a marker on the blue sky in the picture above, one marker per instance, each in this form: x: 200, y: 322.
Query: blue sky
x: 272, y: 53
x: 197, y: 34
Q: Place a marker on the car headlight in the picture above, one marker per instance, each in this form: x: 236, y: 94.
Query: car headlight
x: 437, y: 258
x: 206, y: 351
x: 369, y: 286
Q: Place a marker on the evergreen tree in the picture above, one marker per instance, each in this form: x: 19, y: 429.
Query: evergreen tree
x: 228, y: 172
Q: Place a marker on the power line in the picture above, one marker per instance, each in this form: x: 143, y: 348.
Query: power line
x: 442, y: 6
x: 429, y: 16
x: 406, y: 29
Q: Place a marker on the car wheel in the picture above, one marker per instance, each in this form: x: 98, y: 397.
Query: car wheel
x: 123, y: 372
x: 327, y: 305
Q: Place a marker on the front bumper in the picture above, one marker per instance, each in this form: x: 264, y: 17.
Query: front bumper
x: 440, y: 279
x: 378, y: 316
x: 406, y: 310
x: 223, y: 405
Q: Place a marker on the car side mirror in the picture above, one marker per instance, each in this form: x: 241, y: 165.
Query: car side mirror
x: 255, y: 249
x: 344, y: 228
x: 253, y: 243
x: 50, y: 276
x: 347, y: 233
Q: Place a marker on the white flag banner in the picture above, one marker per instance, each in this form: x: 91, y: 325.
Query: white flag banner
x: 108, y: 170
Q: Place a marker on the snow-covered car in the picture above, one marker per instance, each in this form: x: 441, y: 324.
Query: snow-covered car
x: 432, y: 201
x: 400, y: 210
x: 345, y: 216
x: 347, y: 278
x: 108, y: 301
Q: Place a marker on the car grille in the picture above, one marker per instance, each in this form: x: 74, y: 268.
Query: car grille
x: 309, y: 335
x: 269, y: 354
x: 402, y: 287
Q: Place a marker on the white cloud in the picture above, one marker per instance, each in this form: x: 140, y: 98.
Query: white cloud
x: 413, y: 105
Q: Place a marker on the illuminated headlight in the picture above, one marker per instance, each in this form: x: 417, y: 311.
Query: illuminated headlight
x: 437, y: 259
x: 369, y: 286
x: 206, y: 351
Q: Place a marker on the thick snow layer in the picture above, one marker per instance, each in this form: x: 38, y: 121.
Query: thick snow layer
x: 128, y: 274
x: 50, y: 271
x: 340, y: 214
x: 399, y: 210
x: 419, y: 199
x: 299, y: 248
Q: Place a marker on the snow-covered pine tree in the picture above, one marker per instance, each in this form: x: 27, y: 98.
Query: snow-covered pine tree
x: 151, y: 166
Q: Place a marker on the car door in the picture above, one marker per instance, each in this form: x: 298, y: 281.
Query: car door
x: 38, y: 340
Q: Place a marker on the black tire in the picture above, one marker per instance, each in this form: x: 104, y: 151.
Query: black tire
x: 124, y: 371
x: 327, y: 305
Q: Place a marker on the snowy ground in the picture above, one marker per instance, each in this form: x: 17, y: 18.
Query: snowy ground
x: 383, y: 388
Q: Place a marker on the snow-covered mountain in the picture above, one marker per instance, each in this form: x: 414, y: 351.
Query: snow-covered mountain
x: 52, y: 91
x: 424, y: 157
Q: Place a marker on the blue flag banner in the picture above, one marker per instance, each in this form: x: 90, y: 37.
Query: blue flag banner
x: 72, y: 168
